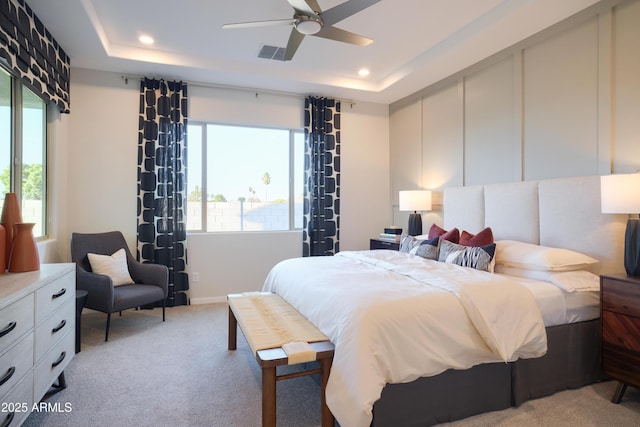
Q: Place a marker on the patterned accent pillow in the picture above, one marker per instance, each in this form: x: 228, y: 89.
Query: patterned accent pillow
x: 427, y: 249
x: 406, y: 243
x: 478, y: 257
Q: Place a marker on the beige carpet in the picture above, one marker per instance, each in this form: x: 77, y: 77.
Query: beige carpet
x: 179, y: 373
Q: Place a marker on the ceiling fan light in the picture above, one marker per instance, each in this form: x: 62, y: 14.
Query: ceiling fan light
x: 308, y: 25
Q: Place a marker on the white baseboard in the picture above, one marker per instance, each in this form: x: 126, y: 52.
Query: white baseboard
x: 208, y: 300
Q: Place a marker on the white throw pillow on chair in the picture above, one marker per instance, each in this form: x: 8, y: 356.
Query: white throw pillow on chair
x: 114, y: 266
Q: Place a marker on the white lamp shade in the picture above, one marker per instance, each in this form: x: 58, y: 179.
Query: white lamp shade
x: 620, y: 193
x: 415, y: 200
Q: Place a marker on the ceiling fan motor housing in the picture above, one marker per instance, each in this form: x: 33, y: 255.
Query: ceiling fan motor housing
x: 306, y: 24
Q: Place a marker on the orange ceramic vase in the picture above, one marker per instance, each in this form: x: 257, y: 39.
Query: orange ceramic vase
x: 10, y: 216
x: 24, y: 255
x: 3, y: 248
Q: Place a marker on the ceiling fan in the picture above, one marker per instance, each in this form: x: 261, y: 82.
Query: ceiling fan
x: 309, y: 20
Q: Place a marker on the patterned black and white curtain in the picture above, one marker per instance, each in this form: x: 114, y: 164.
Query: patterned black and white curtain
x: 33, y: 54
x: 321, y: 226
x: 162, y: 181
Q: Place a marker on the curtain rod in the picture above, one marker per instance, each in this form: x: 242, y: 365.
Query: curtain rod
x: 257, y: 91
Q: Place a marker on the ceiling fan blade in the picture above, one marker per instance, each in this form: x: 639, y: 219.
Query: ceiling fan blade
x: 345, y: 10
x: 306, y: 7
x: 294, y: 41
x: 337, y: 34
x: 271, y: 23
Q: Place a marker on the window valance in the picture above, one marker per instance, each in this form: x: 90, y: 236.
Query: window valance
x: 32, y: 52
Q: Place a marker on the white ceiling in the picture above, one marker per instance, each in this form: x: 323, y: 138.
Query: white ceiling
x: 416, y: 42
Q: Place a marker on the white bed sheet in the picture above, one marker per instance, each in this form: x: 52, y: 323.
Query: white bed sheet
x: 394, y: 317
x: 582, y: 306
x: 559, y: 307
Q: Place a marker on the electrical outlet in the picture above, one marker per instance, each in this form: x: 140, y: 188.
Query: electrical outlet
x: 196, y: 277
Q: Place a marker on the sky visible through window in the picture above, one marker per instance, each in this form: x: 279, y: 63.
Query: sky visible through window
x: 5, y: 125
x: 32, y: 137
x: 237, y: 160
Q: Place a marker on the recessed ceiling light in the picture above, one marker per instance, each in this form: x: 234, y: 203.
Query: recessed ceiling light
x: 146, y: 39
x: 363, y: 72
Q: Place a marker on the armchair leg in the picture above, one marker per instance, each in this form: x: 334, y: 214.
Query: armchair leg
x: 164, y: 304
x: 106, y: 335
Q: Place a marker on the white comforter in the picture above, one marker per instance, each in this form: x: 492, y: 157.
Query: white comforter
x: 394, y: 317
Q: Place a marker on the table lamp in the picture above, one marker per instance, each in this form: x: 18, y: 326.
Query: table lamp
x: 415, y: 200
x: 620, y: 194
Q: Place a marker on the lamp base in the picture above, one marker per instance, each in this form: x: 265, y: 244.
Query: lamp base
x: 415, y: 224
x: 632, y: 248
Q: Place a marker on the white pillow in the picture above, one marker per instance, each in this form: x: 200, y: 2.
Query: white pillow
x: 511, y: 253
x: 542, y: 275
x: 114, y: 266
x: 421, y: 237
x: 576, y: 281
x: 570, y: 281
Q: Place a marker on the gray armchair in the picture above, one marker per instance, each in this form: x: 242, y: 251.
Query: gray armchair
x: 151, y: 280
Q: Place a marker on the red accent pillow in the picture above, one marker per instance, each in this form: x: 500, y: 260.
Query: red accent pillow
x: 436, y: 231
x: 483, y: 238
x: 452, y: 235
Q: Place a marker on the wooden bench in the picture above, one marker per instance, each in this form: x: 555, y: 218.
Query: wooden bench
x: 270, y: 358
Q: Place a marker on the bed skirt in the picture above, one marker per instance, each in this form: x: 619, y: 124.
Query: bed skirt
x: 572, y: 361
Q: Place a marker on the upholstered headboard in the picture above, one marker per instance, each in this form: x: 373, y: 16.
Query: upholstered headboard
x: 561, y: 213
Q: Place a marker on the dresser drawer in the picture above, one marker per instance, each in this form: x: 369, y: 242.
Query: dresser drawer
x: 53, y: 363
x: 620, y: 296
x: 54, y: 328
x: 622, y: 331
x: 15, y: 320
x: 15, y: 363
x: 51, y: 297
x: 17, y: 404
x: 383, y: 244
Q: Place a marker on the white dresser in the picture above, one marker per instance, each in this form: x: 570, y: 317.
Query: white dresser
x: 37, y: 336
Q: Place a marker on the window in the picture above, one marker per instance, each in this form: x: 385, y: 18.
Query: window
x: 23, y: 148
x: 244, y: 178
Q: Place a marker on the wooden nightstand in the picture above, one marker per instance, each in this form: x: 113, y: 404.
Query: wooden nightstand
x: 620, y: 319
x: 383, y: 244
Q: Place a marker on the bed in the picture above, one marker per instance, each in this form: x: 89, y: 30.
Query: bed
x: 420, y: 342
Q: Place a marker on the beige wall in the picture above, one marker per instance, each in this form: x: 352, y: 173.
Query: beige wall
x: 565, y: 102
x: 625, y: 120
x: 95, y: 160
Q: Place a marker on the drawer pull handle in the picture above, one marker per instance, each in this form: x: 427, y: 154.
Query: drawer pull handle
x: 8, y: 375
x: 60, y: 359
x: 60, y: 326
x: 10, y: 327
x: 8, y: 419
x: 59, y: 294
